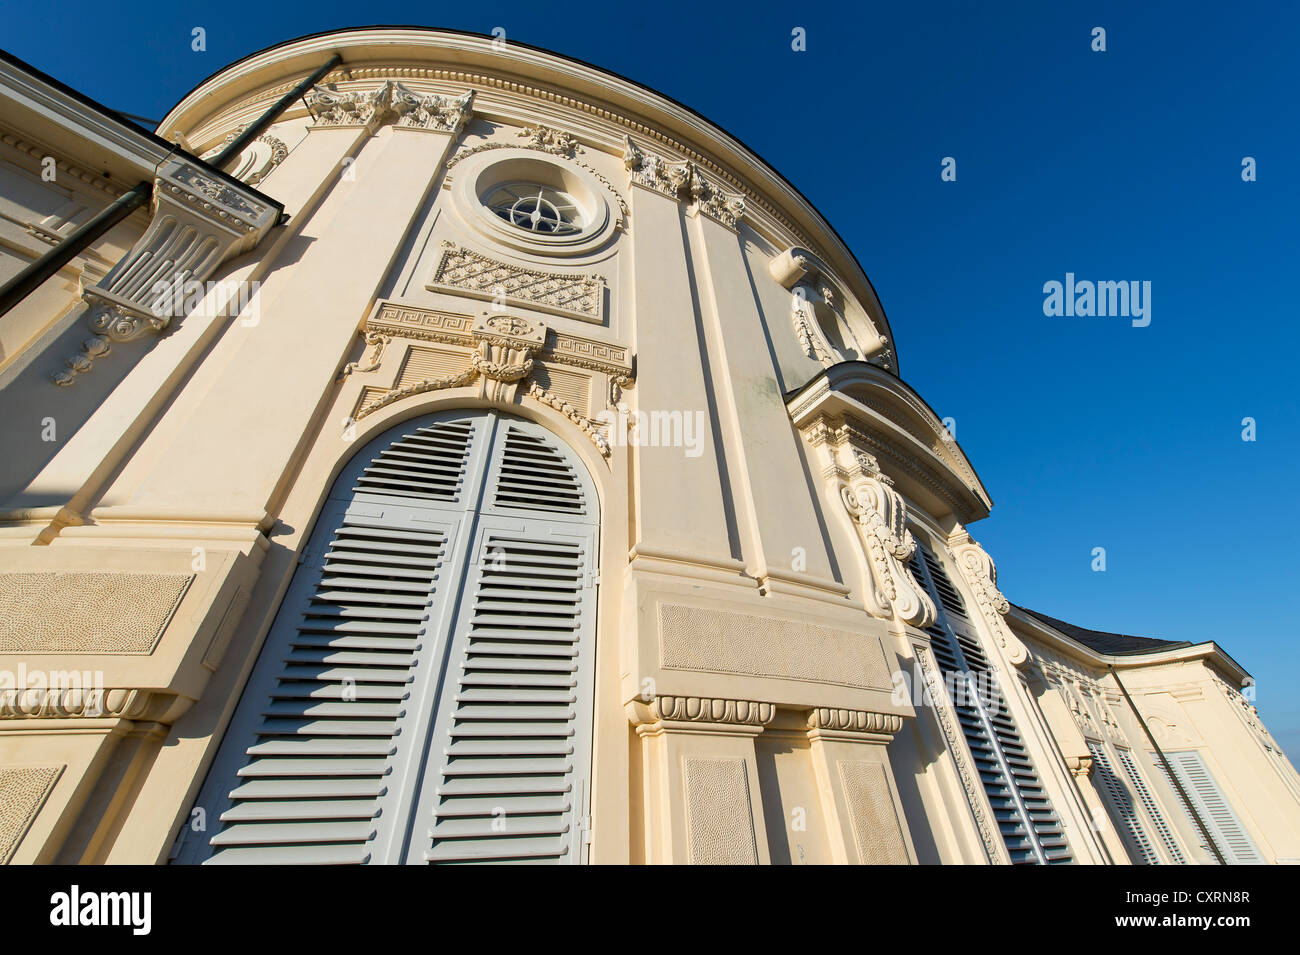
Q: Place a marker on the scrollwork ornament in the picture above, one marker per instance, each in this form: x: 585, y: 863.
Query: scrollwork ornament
x: 977, y: 569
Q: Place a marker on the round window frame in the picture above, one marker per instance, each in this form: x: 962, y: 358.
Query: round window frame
x: 478, y: 176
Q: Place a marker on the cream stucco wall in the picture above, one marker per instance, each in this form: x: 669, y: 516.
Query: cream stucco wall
x: 755, y: 603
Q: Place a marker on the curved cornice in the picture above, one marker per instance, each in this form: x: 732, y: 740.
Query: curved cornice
x: 904, y: 429
x: 452, y: 57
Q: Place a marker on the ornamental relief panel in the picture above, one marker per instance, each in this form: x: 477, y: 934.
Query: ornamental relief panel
x: 506, y: 356
x: 466, y: 272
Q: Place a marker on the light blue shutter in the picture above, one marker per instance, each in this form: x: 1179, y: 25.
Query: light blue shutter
x: 1152, y: 808
x: 1121, y: 805
x: 1229, y: 835
x: 385, y: 723
x: 1028, y: 823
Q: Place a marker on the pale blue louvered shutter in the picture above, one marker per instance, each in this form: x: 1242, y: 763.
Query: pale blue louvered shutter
x: 1117, y: 796
x: 1225, y: 828
x: 1148, y: 801
x: 328, y: 757
x: 1029, y: 825
x: 510, y: 784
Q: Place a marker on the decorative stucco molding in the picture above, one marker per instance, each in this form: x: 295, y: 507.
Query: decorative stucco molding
x: 505, y: 350
x: 553, y: 142
x: 885, y: 417
x: 1249, y: 714
x: 510, y: 85
x: 23, y: 791
x: 91, y: 703
x: 879, y: 517
x: 87, y: 612
x: 377, y: 341
x: 588, y: 427
x: 805, y: 330
x: 682, y: 180
x: 694, y: 709
x: 994, y: 847
x: 198, y: 223
x: 470, y: 273
x: 854, y: 721
x: 811, y: 285
x: 976, y: 568
x: 1079, y: 766
x: 257, y: 160
x: 390, y: 102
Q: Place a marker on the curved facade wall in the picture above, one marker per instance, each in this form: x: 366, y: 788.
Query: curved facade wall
x: 795, y: 652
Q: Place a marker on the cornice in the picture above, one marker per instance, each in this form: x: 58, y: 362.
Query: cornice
x: 940, y: 468
x: 77, y: 172
x: 476, y: 61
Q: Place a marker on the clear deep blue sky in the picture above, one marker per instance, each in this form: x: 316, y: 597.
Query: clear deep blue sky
x: 1123, y: 165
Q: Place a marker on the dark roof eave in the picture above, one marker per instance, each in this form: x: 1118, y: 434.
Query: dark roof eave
x: 133, y: 128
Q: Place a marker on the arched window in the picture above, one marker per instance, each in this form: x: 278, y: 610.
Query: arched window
x: 424, y: 694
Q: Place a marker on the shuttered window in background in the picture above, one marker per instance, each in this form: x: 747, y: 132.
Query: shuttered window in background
x: 425, y: 691
x: 1152, y: 808
x: 1225, y: 828
x: 1028, y: 823
x: 1117, y: 796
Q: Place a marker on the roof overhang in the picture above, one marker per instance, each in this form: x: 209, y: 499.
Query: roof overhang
x: 104, y: 147
x: 902, y: 431
x: 1210, y: 652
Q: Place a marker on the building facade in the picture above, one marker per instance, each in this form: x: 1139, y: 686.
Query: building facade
x: 496, y: 461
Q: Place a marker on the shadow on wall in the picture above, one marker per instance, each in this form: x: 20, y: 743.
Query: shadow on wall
x: 41, y: 417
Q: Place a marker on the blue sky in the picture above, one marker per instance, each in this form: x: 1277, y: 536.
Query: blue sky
x: 1122, y: 165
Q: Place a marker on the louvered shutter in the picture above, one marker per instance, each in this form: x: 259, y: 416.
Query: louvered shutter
x: 1152, y: 808
x: 1028, y: 823
x: 1225, y: 828
x: 1122, y: 810
x: 510, y: 784
x: 508, y: 787
x: 351, y: 723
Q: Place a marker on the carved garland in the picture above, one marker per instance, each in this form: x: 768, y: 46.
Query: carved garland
x: 506, y: 347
